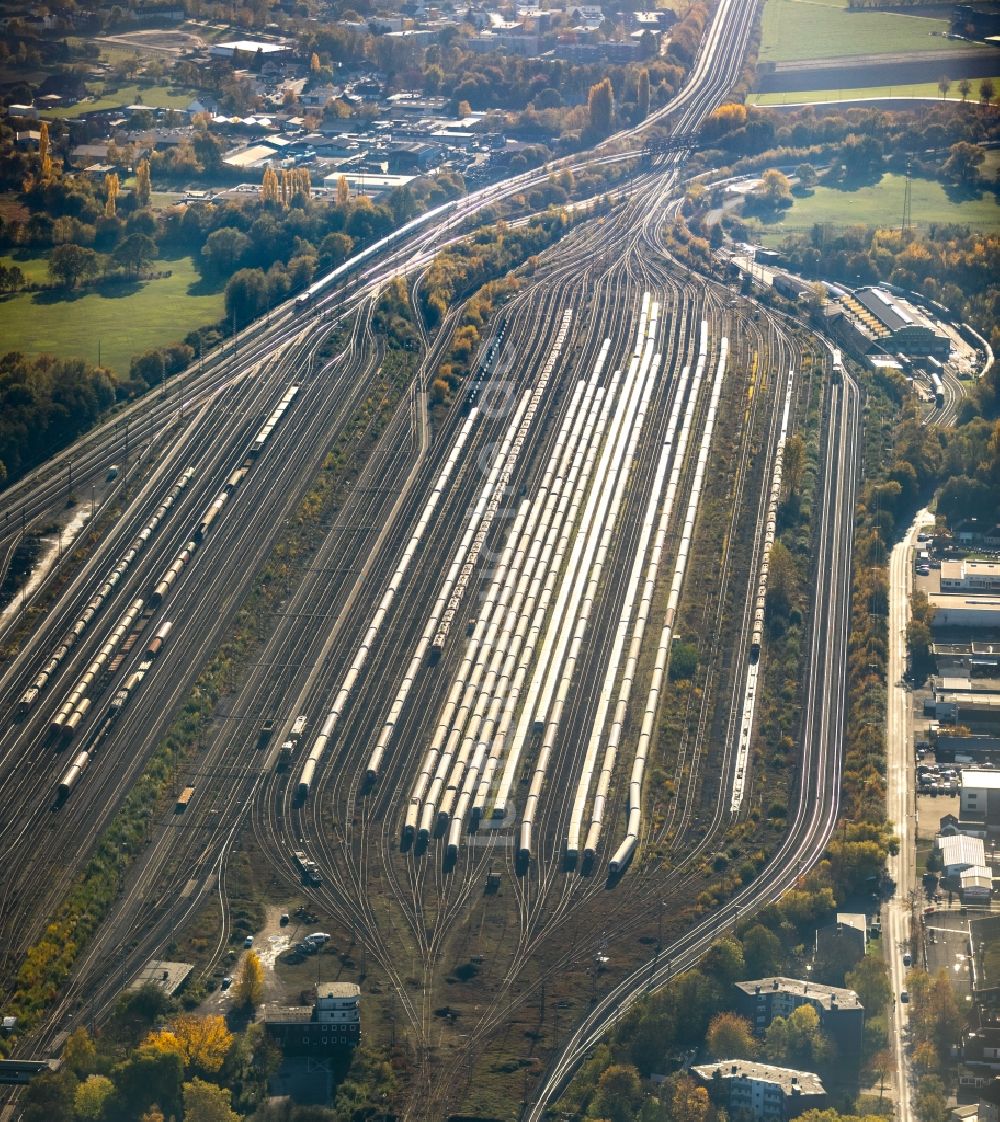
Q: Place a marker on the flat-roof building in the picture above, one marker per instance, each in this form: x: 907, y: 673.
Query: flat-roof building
x: 980, y: 797
x: 840, y: 1011
x: 957, y: 609
x: 761, y: 1091
x: 331, y: 1025
x: 970, y: 576
x: 250, y: 48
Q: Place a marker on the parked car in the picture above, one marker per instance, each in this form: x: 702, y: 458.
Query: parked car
x: 248, y: 941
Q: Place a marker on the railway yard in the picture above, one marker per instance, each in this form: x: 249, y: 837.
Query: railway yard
x: 457, y: 711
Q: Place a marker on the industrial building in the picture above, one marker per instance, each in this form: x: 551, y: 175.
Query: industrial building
x: 952, y: 609
x: 960, y: 852
x: 970, y: 576
x: 250, y: 48
x: 331, y: 1025
x: 980, y: 797
x: 874, y: 321
x: 841, y: 1014
x: 761, y: 1091
x: 975, y: 885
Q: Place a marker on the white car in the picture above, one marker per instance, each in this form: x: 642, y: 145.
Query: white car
x: 248, y: 941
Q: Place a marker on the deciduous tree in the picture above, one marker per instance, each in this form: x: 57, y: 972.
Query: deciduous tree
x: 731, y: 1037
x: 90, y: 1097
x: 69, y: 264
x: 143, y: 184
x: 205, y: 1102
x: 249, y: 987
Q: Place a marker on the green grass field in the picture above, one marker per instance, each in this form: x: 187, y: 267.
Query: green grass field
x: 883, y: 205
x: 801, y: 29
x: 921, y: 89
x: 155, y: 97
x: 149, y: 315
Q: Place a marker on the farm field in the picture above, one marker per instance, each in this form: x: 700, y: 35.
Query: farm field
x: 806, y: 29
x: 882, y: 204
x: 133, y: 319
x: 810, y: 97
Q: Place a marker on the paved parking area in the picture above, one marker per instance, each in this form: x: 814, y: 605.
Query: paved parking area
x: 946, y: 946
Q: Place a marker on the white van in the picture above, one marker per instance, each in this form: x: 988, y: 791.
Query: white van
x: 317, y: 937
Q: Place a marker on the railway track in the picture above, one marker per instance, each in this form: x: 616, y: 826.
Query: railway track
x: 610, y: 291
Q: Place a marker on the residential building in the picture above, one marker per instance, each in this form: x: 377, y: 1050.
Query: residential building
x: 841, y: 1014
x: 762, y: 1092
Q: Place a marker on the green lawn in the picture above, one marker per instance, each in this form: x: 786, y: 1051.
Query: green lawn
x: 921, y: 89
x: 883, y: 205
x: 156, y: 97
x: 801, y: 29
x: 151, y: 314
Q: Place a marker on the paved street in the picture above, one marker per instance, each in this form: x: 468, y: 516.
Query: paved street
x: 901, y: 802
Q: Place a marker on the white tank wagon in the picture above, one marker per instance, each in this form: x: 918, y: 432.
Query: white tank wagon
x: 667, y: 455
x: 533, y: 558
x: 434, y: 761
x: 595, y: 463
x: 572, y: 615
x: 623, y: 854
x: 319, y: 744
x: 100, y: 597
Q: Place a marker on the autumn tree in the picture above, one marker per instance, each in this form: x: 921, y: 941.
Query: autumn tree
x: 249, y: 987
x: 343, y: 191
x: 269, y: 186
x: 782, y: 581
x: 799, y: 1041
x: 79, y: 1053
x: 205, y: 1102
x: 793, y: 462
x: 730, y: 1037
x: 314, y: 63
x: 463, y: 110
x: 111, y: 188
x: 154, y: 1114
x: 201, y: 1042
x: 689, y: 1102
x: 619, y: 1094
x: 774, y: 188
x: 143, y: 184
x: 601, y: 107
x: 44, y: 153
x: 90, y: 1097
